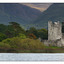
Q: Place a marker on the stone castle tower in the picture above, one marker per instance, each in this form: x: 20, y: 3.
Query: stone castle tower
x: 54, y: 31
x: 55, y: 36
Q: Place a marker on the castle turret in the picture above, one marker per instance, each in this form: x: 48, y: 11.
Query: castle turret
x: 54, y: 30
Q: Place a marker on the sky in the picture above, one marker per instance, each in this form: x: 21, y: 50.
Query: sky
x: 40, y: 6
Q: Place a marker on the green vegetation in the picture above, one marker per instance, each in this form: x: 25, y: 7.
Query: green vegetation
x: 27, y: 45
x: 43, y: 33
x: 14, y: 39
x: 2, y: 36
x: 19, y: 45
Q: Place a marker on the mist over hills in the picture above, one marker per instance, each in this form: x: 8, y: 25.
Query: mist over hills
x: 54, y: 13
x: 15, y: 12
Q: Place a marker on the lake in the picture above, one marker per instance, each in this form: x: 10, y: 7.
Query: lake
x: 31, y: 56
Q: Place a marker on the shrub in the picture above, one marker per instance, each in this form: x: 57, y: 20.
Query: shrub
x: 32, y: 44
x: 14, y: 42
x: 19, y: 44
x: 22, y: 36
x: 4, y: 47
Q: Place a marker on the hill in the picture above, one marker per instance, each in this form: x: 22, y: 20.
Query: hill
x: 15, y: 12
x: 54, y: 13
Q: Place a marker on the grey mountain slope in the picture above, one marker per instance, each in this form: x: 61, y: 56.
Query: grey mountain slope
x: 14, y: 12
x: 54, y: 13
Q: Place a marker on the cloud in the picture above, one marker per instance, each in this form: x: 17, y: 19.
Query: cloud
x: 40, y: 6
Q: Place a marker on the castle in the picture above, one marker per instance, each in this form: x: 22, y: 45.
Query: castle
x: 55, y: 36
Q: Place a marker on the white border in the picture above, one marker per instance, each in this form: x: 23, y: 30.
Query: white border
x: 31, y: 62
x: 31, y: 1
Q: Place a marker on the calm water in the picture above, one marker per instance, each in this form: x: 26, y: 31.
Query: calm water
x: 31, y: 57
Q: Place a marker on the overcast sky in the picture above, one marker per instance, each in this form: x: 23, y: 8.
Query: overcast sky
x: 39, y: 6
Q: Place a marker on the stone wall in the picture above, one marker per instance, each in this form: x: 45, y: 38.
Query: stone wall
x: 58, y: 43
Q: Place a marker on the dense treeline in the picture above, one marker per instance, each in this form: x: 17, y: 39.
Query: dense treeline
x: 13, y: 38
x: 15, y: 30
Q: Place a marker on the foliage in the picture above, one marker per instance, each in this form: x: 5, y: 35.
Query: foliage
x: 3, y: 28
x: 4, y: 47
x: 13, y: 30
x: 31, y: 35
x: 17, y: 28
x: 19, y: 44
x: 13, y: 42
x: 2, y: 36
x: 18, y: 40
x: 43, y: 33
x: 22, y: 36
x: 33, y: 31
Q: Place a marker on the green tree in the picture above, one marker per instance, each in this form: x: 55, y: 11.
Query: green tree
x: 3, y: 28
x: 9, y: 34
x: 33, y: 31
x: 43, y: 33
x: 2, y: 36
x: 13, y: 29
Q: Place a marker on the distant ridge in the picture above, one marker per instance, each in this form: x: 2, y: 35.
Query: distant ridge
x: 54, y: 13
x: 15, y: 12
